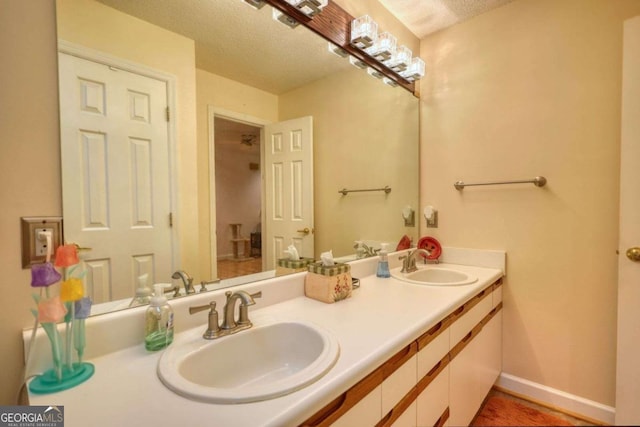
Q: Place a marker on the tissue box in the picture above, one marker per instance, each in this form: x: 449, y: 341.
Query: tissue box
x: 328, y: 284
x: 288, y: 266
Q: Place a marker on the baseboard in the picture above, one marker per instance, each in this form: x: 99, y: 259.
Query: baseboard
x: 557, y: 399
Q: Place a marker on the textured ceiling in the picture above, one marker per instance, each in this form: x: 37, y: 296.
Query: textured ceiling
x: 424, y: 17
x: 236, y: 41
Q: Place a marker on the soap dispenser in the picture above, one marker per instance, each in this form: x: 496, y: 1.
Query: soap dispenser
x: 158, y: 321
x: 383, y: 263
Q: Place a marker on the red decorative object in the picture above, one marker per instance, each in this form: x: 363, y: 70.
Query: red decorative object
x: 404, y: 243
x: 432, y: 245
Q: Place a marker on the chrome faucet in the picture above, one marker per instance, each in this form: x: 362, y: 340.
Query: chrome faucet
x: 186, y: 280
x: 229, y: 324
x: 246, y: 299
x: 409, y: 260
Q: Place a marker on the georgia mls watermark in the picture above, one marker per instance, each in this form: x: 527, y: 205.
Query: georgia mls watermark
x: 31, y: 416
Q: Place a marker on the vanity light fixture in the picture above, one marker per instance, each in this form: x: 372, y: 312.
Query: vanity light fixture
x: 415, y: 71
x: 256, y: 4
x: 383, y: 47
x: 375, y: 73
x: 357, y: 63
x: 284, y: 18
x: 364, y: 32
x: 336, y: 50
x: 389, y: 82
x: 309, y: 7
x: 400, y: 60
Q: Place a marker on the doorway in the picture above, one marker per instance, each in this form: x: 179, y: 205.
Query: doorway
x: 238, y: 189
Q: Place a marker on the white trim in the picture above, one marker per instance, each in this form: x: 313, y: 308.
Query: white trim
x: 557, y: 398
x: 87, y: 53
x: 212, y: 113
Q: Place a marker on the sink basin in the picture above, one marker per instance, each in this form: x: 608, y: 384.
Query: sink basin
x: 256, y: 364
x: 436, y: 276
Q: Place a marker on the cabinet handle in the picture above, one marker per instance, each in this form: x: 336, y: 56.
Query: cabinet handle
x: 320, y: 419
x: 435, y: 329
x: 434, y: 369
x: 467, y: 337
x: 459, y: 311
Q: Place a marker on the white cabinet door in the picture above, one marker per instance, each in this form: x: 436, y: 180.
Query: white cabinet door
x: 474, y: 370
x: 367, y: 412
x: 398, y: 384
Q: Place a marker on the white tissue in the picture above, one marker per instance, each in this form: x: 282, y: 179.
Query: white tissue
x: 292, y: 252
x: 327, y: 259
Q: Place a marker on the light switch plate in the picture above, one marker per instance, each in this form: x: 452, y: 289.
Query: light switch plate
x: 34, y: 250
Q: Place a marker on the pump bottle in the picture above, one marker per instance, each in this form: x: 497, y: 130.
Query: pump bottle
x: 158, y: 321
x: 383, y: 263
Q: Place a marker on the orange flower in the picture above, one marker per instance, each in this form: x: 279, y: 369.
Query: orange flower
x: 66, y: 255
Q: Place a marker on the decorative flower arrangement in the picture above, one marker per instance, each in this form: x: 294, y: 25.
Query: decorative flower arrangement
x: 70, y: 306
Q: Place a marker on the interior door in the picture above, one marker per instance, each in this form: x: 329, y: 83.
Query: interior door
x: 289, y: 188
x: 115, y: 175
x: 628, y: 362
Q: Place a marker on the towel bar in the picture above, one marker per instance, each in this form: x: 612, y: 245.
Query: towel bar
x: 386, y: 189
x: 538, y: 181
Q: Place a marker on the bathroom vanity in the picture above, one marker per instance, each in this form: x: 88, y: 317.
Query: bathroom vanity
x: 410, y: 355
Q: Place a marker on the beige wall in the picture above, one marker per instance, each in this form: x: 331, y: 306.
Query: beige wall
x: 229, y: 95
x: 365, y: 136
x: 107, y: 30
x: 29, y: 129
x: 533, y: 88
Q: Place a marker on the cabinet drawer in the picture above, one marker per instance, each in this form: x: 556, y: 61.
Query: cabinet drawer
x: 496, y: 296
x: 366, y: 412
x: 408, y: 417
x: 398, y: 384
x: 433, y: 400
x: 432, y: 353
x: 464, y: 321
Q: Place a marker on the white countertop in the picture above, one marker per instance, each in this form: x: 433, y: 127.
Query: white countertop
x: 381, y: 317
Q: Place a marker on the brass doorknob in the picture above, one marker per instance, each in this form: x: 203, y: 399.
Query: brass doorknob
x: 634, y: 254
x: 304, y: 230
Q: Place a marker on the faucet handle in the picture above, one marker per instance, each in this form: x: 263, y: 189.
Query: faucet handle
x: 255, y: 295
x: 199, y: 308
x: 213, y: 329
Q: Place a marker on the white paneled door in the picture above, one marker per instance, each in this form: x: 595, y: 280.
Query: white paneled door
x: 628, y: 361
x: 289, y: 188
x: 115, y: 175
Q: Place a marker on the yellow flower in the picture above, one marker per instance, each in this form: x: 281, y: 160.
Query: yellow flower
x: 71, y: 290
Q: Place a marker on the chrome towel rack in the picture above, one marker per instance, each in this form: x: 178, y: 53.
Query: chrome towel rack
x: 538, y: 181
x: 386, y: 189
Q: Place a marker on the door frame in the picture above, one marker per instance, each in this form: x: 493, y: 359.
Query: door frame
x: 212, y: 113
x: 109, y: 60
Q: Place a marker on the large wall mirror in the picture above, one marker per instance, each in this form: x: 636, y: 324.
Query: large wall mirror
x: 225, y: 89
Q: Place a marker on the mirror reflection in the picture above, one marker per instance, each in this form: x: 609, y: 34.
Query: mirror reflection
x: 172, y: 116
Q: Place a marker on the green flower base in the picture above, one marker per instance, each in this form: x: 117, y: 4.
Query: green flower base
x: 49, y: 383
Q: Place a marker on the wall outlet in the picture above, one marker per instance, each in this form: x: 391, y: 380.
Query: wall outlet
x: 433, y: 221
x: 34, y: 247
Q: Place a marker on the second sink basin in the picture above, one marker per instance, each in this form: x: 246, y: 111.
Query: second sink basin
x: 436, y: 276
x: 257, y: 364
